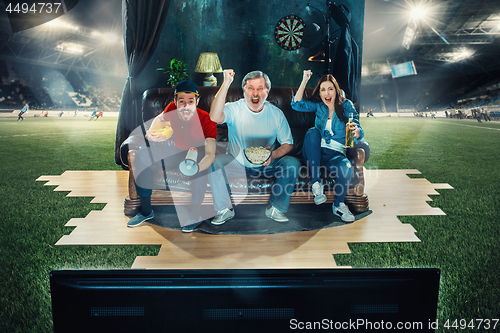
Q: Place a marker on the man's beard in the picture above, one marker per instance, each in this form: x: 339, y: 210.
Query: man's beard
x: 185, y: 114
x: 259, y: 107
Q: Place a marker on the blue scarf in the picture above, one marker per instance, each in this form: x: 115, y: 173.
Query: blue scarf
x: 328, y: 136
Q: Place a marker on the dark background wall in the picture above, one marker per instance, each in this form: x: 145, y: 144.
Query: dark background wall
x: 242, y: 34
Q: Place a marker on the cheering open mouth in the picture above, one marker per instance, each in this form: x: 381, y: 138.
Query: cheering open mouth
x: 255, y: 103
x: 185, y: 114
x: 255, y: 100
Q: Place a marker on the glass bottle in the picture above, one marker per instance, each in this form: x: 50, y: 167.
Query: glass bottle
x: 349, y: 136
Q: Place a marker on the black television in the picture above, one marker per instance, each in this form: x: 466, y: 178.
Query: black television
x: 262, y: 300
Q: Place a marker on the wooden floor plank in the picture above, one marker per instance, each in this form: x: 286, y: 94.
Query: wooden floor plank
x: 391, y: 193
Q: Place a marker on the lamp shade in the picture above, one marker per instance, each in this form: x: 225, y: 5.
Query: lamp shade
x: 208, y: 62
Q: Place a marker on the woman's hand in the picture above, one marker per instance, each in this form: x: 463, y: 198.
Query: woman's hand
x: 356, y: 132
x: 306, y: 75
x: 300, y: 91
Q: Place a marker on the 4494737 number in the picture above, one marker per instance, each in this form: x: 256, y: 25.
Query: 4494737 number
x: 475, y: 324
x: 35, y: 8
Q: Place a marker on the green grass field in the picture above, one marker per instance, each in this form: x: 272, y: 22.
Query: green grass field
x: 463, y: 244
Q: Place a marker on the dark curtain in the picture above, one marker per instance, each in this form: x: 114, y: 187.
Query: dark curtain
x: 142, y: 24
x: 346, y: 56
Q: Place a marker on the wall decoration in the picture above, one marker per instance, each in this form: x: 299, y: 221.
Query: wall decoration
x: 289, y: 32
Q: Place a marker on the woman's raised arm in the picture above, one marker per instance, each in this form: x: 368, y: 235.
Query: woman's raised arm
x: 300, y: 92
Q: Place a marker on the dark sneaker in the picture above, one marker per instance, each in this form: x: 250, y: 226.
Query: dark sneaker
x: 275, y: 214
x: 343, y: 212
x: 191, y: 226
x: 139, y: 219
x: 222, y: 216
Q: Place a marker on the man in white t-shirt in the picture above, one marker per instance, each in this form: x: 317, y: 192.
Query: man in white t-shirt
x: 252, y: 122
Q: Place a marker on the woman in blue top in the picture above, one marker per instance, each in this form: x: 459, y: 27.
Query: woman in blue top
x: 324, y: 144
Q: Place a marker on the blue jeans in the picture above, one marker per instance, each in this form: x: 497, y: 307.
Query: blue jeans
x: 336, y: 163
x: 149, y: 158
x: 285, y: 169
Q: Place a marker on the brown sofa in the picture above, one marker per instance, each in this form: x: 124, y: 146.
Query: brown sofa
x: 259, y: 189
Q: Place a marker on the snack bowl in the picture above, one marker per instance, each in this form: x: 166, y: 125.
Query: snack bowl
x: 257, y: 155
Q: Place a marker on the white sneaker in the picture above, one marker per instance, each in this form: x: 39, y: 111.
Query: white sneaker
x: 317, y: 190
x: 222, y: 216
x: 275, y: 214
x: 343, y: 212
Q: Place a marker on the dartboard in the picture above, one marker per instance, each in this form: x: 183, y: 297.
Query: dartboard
x: 289, y: 32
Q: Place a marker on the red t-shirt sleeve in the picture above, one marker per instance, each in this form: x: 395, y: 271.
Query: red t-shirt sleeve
x: 209, y: 126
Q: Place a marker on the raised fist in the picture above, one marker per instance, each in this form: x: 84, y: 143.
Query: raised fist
x: 307, y: 75
x: 228, y: 75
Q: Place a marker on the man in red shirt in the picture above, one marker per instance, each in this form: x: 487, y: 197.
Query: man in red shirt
x: 191, y: 127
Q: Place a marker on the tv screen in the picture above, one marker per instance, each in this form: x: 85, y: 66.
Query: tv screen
x: 403, y: 69
x: 244, y: 300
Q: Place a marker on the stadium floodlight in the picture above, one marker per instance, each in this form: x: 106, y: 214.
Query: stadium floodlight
x: 73, y: 48
x: 110, y: 38
x: 107, y: 37
x: 411, y: 32
x: 497, y: 28
x: 58, y: 24
x: 418, y: 13
x: 461, y: 54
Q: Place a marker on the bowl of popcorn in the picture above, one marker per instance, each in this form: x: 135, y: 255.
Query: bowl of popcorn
x: 257, y: 155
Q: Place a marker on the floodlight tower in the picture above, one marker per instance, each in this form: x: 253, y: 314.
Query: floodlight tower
x: 417, y: 14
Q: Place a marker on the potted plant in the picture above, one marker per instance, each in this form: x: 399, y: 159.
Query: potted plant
x: 176, y: 72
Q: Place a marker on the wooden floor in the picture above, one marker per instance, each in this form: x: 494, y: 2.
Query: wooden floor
x: 391, y: 193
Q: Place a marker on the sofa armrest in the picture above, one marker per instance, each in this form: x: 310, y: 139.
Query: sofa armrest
x: 366, y: 147
x: 357, y: 156
x: 133, y: 142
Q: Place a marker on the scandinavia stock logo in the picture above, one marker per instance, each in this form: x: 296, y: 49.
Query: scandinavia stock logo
x: 28, y: 14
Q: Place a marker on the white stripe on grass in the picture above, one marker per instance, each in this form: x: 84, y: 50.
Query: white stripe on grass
x: 445, y: 122
x: 49, y: 134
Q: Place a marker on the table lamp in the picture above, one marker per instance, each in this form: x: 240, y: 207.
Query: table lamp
x: 208, y: 63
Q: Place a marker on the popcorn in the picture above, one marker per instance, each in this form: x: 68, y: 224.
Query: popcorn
x: 257, y: 155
